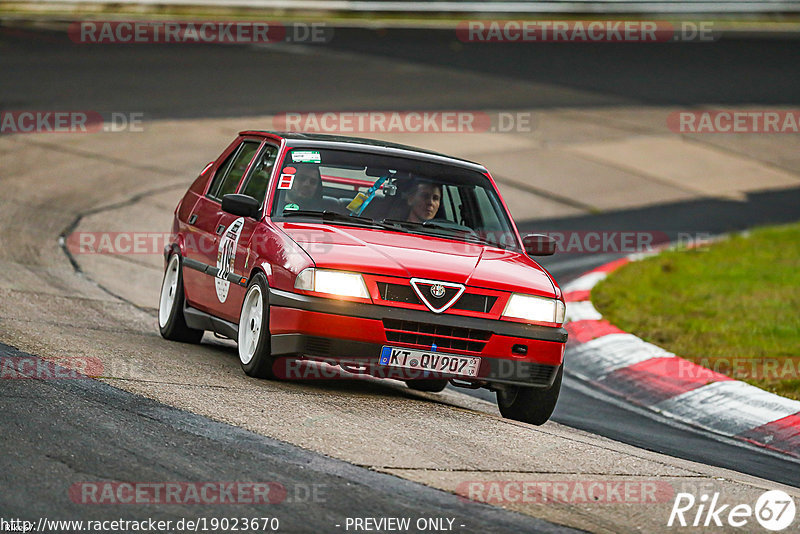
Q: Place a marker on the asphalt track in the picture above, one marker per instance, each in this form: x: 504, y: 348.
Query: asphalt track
x: 170, y: 82
x: 248, y: 81
x: 97, y: 430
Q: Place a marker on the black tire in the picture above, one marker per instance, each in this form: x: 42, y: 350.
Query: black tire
x: 530, y: 405
x: 171, y: 322
x: 261, y: 362
x: 431, y: 386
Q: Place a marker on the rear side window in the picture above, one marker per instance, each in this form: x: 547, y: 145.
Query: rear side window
x: 231, y: 171
x: 220, y: 174
x: 255, y: 185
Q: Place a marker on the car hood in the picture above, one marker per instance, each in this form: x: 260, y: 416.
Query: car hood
x: 383, y: 252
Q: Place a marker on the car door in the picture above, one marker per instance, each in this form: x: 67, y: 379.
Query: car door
x: 235, y: 253
x: 202, y: 291
x: 199, y: 233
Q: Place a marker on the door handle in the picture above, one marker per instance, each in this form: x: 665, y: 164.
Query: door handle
x: 220, y: 229
x: 192, y: 218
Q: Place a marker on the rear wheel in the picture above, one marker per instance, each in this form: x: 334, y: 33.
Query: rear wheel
x: 254, y: 338
x: 530, y: 405
x: 171, y: 322
x: 432, y: 386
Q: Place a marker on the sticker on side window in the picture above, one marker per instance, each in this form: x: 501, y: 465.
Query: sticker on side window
x: 306, y: 156
x: 287, y: 178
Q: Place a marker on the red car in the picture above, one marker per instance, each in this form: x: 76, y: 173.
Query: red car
x: 378, y: 258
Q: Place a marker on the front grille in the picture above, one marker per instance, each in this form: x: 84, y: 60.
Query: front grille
x: 444, y: 337
x: 475, y: 303
x: 447, y: 296
x: 404, y: 293
x: 398, y: 293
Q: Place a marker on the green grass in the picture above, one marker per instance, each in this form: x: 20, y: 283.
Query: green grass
x: 733, y: 306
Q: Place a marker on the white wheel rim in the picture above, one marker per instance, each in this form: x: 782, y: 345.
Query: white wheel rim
x: 250, y: 324
x: 169, y: 290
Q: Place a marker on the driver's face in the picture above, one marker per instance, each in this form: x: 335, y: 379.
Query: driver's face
x: 424, y: 203
x: 305, y: 185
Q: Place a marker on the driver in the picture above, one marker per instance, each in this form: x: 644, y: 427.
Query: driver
x: 306, y: 191
x: 424, y: 201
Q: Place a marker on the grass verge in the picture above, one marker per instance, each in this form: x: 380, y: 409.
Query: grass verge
x: 733, y: 306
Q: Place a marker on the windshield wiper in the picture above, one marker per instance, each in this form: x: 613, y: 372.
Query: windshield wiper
x: 399, y: 222
x: 469, y: 234
x: 329, y: 215
x: 333, y: 216
x: 429, y: 224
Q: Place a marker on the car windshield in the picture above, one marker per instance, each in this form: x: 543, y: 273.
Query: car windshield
x: 400, y: 194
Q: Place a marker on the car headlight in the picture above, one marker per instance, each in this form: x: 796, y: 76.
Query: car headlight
x: 340, y: 283
x: 538, y: 309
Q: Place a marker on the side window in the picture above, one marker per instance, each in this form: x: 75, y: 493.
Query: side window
x: 233, y: 171
x: 487, y: 208
x: 451, y: 203
x: 256, y: 184
x: 221, y: 172
x: 493, y: 227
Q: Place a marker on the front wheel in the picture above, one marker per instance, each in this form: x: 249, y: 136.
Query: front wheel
x: 254, y: 338
x: 530, y: 405
x: 171, y: 322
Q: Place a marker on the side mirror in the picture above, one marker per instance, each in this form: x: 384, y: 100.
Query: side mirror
x: 539, y: 245
x: 242, y: 205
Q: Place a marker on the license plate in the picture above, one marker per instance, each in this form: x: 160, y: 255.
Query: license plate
x: 437, y: 362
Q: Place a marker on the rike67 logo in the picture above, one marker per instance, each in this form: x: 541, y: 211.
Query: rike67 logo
x: 774, y: 510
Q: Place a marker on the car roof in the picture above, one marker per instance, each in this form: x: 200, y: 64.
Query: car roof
x: 298, y: 139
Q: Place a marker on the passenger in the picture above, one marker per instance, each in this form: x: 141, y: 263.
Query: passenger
x: 424, y: 201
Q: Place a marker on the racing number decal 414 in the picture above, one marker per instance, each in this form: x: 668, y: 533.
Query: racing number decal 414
x: 226, y: 255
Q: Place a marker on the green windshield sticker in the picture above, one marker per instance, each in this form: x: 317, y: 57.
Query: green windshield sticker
x: 291, y: 207
x: 305, y: 156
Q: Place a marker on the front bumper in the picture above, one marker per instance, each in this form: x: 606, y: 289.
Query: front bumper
x: 353, y: 334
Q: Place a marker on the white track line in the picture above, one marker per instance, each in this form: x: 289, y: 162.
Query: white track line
x: 730, y: 407
x: 585, y: 282
x: 601, y: 356
x: 582, y: 311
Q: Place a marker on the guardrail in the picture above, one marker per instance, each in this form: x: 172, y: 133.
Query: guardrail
x: 487, y: 7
